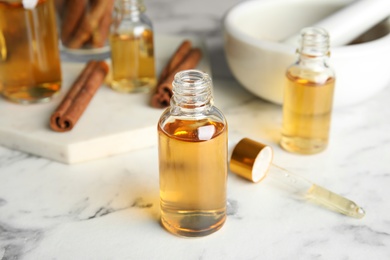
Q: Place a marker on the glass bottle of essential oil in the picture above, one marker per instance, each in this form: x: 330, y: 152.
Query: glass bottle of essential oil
x: 192, y: 138
x: 30, y: 68
x: 132, y: 48
x: 308, y: 96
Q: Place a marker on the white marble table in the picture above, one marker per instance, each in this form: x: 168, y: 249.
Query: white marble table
x: 109, y: 208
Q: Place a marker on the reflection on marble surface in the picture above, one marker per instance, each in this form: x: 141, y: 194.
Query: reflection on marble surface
x: 109, y: 208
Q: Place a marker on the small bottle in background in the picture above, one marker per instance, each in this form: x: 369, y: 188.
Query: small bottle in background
x: 308, y: 96
x: 30, y: 68
x: 132, y: 48
x: 192, y: 138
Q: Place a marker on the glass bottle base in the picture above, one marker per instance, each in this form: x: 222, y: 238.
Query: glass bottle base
x: 32, y: 94
x: 134, y: 86
x: 303, y: 145
x: 193, y: 223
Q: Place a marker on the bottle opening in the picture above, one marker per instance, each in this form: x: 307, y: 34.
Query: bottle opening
x: 191, y: 88
x: 192, y: 79
x: 314, y: 41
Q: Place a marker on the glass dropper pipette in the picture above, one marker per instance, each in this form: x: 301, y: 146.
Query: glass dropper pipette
x: 253, y: 161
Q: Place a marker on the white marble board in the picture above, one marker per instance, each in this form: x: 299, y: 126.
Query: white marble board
x: 113, y: 123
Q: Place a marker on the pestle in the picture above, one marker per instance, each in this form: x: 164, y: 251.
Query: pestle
x: 348, y: 23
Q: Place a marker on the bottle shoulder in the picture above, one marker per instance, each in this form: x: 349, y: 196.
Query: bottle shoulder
x: 316, y: 74
x: 200, y: 127
x: 213, y: 113
x: 131, y: 25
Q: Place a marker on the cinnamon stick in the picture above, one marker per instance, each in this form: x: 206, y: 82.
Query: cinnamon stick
x: 85, y: 23
x: 60, y: 5
x: 101, y: 33
x: 162, y: 98
x: 72, y: 16
x: 88, y: 25
x: 164, y: 90
x: 179, y: 55
x: 77, y: 99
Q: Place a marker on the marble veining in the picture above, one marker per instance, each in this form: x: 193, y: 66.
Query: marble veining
x: 105, y: 210
x: 365, y: 235
x: 13, y: 157
x: 15, y: 242
x: 109, y: 208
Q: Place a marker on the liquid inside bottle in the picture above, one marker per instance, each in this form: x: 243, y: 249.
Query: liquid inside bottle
x: 133, y: 62
x: 29, y: 58
x: 193, y: 175
x: 132, y: 48
x: 192, y: 136
x: 308, y: 96
x: 306, y: 115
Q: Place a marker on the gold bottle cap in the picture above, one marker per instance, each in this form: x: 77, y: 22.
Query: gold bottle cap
x: 251, y: 159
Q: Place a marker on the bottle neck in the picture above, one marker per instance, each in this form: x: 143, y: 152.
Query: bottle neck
x: 130, y: 8
x: 191, y: 93
x: 314, y: 45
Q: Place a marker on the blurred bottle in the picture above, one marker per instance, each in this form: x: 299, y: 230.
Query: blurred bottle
x: 132, y: 48
x: 308, y: 96
x: 30, y: 68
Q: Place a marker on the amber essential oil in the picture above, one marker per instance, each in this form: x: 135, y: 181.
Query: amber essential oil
x: 29, y: 58
x: 193, y: 176
x: 308, y: 95
x: 335, y: 202
x: 306, y: 115
x: 133, y: 62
